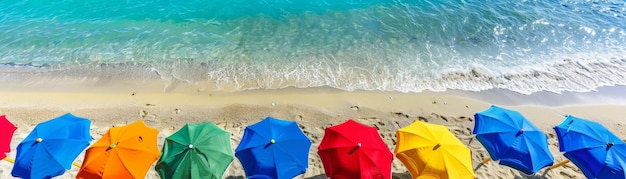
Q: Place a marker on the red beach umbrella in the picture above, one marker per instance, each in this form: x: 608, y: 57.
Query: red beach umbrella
x: 354, y: 150
x: 6, y: 134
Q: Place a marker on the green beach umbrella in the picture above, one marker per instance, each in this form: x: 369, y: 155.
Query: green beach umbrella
x: 196, y: 151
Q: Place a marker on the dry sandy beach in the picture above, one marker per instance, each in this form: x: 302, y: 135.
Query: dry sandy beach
x: 383, y: 63
x: 313, y: 108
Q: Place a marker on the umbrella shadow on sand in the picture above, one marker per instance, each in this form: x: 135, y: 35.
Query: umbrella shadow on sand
x: 234, y: 177
x: 320, y: 176
x: 404, y: 175
x: 522, y: 176
x: 394, y: 175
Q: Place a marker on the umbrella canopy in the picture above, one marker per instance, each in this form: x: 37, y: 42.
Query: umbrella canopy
x: 51, y: 147
x: 432, y: 151
x: 273, y: 148
x: 122, y: 152
x: 196, y: 151
x: 511, y: 138
x: 354, y: 150
x: 6, y: 134
x: 593, y: 148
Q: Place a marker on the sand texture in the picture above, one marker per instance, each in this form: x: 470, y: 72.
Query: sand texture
x: 312, y: 109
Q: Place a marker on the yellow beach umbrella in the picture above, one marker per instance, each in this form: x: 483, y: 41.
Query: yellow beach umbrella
x: 432, y: 151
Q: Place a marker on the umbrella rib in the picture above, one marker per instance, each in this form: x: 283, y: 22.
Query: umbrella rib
x: 185, y: 155
x: 535, y: 149
x: 358, y: 160
x: 454, y: 156
x: 288, y: 153
x: 271, y: 127
x: 202, y: 138
x: 48, y: 152
x: 282, y: 131
x: 181, y: 152
x: 539, y: 145
x: 215, y: 152
x: 588, y: 136
x: 507, y: 113
x: 178, y: 142
x: 519, y: 141
x: 123, y: 163
x: 342, y: 136
x: 593, y: 130
x: 98, y: 154
x: 143, y: 150
x: 52, y: 155
x: 291, y: 124
x: 212, y: 149
x: 368, y: 159
x: 294, y: 140
x: 253, y: 146
x: 72, y: 140
x: 103, y: 167
x: 509, y: 148
x: 509, y: 125
x: 597, y: 133
x: 522, y: 119
x: 432, y: 136
x: 587, y: 148
x: 414, y: 145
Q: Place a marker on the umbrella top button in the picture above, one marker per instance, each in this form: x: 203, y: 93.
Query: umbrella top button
x: 39, y: 139
x: 610, y: 144
x: 272, y: 141
x: 191, y: 146
x: 112, y: 146
x: 358, y: 144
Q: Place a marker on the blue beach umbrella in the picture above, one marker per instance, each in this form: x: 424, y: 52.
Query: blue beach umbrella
x: 513, y: 140
x: 593, y: 148
x: 51, y: 147
x: 273, y: 148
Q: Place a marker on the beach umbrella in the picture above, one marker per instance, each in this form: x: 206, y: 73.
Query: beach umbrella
x: 354, y: 150
x: 432, y: 151
x: 51, y: 147
x: 592, y: 147
x: 196, y: 151
x: 6, y: 134
x: 122, y: 152
x: 273, y: 148
x: 511, y: 138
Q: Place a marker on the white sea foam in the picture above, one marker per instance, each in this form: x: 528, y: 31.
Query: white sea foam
x: 579, y: 75
x: 522, y: 46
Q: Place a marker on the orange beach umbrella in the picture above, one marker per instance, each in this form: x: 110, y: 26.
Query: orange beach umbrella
x: 123, y: 152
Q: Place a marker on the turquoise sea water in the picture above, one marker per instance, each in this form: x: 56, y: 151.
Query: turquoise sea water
x: 387, y: 45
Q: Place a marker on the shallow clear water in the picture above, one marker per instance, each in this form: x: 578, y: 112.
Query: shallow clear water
x: 408, y: 46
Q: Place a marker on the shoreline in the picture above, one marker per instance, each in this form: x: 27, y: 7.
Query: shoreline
x: 612, y: 95
x: 313, y: 108
x: 573, y: 77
